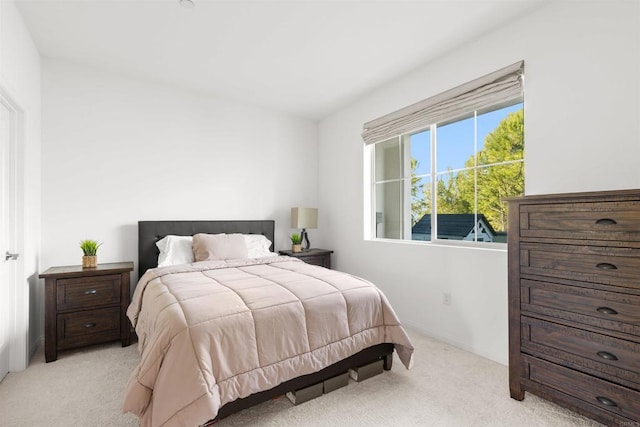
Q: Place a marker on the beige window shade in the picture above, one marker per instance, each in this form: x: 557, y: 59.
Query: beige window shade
x: 499, y: 86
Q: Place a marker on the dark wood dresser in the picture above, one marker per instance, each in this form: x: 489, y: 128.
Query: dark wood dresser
x: 321, y: 257
x: 574, y: 302
x: 85, y: 306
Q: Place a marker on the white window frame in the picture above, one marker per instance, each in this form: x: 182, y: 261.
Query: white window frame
x: 371, y: 233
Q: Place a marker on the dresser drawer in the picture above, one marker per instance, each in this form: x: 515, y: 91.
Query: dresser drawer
x: 598, y: 393
x: 595, y: 352
x: 609, y: 310
x: 88, y: 327
x: 88, y: 292
x: 613, y: 221
x: 594, y: 264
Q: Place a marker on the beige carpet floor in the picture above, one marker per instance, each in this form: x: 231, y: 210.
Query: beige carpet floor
x: 446, y: 387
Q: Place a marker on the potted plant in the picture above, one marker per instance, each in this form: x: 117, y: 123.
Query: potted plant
x: 90, y: 250
x: 296, y: 243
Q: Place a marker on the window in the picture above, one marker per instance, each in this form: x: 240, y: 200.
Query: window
x: 445, y: 180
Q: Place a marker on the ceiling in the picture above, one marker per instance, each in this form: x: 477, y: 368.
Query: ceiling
x: 303, y: 57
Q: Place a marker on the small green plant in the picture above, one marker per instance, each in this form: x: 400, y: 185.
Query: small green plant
x: 89, y: 247
x: 295, y: 239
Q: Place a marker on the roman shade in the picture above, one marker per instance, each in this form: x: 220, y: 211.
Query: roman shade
x: 492, y: 89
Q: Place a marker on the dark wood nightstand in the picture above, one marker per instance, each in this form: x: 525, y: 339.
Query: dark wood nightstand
x: 321, y: 257
x: 85, y: 306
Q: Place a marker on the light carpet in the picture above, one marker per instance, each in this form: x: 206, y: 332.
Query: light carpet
x: 446, y: 387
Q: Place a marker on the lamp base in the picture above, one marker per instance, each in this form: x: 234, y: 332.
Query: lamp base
x: 305, y: 238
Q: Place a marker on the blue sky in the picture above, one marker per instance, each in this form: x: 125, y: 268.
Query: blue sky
x: 455, y: 141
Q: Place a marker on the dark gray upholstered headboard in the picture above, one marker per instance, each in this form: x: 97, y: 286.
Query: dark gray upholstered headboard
x: 149, y: 232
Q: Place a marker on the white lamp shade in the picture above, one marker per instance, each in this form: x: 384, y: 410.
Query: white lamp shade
x: 304, y: 218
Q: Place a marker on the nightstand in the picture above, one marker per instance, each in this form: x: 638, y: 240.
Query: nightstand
x: 321, y: 257
x: 85, y: 306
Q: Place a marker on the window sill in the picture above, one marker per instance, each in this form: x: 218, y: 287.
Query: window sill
x: 498, y: 247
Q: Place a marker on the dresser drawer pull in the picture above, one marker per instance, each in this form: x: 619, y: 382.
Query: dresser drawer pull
x: 606, y: 310
x: 91, y: 292
x: 89, y: 325
x: 607, y: 355
x: 606, y: 401
x: 606, y: 266
x: 606, y: 221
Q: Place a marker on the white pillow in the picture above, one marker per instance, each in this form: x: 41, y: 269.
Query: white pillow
x: 175, y: 250
x: 257, y: 245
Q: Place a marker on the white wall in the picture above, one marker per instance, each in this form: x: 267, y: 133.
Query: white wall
x: 20, y: 79
x: 118, y: 150
x: 582, y: 133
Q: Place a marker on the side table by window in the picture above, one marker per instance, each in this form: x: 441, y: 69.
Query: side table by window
x: 321, y: 257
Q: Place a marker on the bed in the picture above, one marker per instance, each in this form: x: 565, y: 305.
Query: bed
x: 221, y: 335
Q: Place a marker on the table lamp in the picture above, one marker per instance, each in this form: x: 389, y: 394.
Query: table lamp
x: 304, y: 218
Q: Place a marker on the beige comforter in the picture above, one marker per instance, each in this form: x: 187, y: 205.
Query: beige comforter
x: 214, y: 331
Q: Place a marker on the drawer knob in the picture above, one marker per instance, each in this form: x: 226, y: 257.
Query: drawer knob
x: 606, y: 221
x: 606, y: 401
x: 606, y: 355
x: 91, y: 292
x: 606, y: 266
x: 89, y: 325
x: 606, y: 310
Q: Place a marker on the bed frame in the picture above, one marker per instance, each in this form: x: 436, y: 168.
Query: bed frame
x: 149, y: 232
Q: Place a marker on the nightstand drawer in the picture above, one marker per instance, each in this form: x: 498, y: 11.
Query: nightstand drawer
x: 315, y: 260
x: 88, y: 327
x: 598, y: 393
x: 594, y: 264
x: 88, y: 292
x: 613, y: 221
x: 582, y: 349
x: 609, y: 310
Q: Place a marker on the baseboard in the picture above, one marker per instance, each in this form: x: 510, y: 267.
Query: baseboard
x: 454, y: 342
x: 36, y: 345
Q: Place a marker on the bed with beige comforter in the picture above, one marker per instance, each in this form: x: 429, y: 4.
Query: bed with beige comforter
x: 215, y: 331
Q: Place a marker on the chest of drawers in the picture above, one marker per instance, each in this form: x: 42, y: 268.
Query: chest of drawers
x: 574, y: 302
x: 85, y: 306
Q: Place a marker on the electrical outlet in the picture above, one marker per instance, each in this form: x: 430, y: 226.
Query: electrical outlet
x: 446, y: 298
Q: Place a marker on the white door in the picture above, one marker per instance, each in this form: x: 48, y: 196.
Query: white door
x: 6, y: 220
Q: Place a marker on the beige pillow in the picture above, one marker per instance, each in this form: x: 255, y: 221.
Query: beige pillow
x: 219, y: 246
